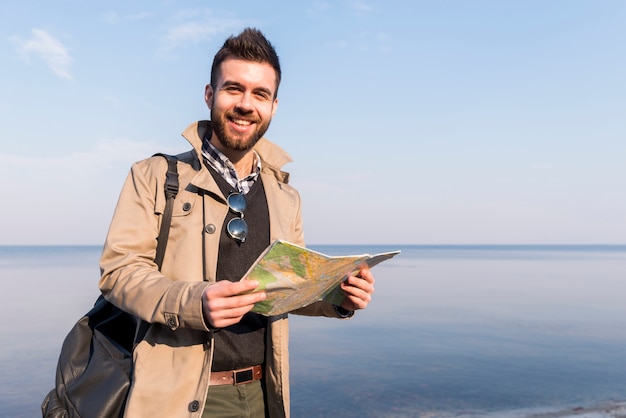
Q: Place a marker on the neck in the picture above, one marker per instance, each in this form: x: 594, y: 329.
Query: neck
x: 244, y: 165
x: 243, y: 161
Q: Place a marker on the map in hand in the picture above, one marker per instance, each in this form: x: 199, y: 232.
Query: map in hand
x: 294, y: 276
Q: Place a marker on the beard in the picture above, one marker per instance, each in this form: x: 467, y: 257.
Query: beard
x: 236, y: 141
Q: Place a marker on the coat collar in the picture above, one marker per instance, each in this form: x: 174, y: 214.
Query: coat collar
x: 272, y: 156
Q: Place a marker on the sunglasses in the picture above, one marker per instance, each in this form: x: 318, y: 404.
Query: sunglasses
x: 237, y: 228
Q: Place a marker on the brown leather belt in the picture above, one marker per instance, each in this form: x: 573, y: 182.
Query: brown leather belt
x: 236, y: 377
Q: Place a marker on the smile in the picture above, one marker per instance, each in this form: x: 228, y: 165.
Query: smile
x: 241, y: 122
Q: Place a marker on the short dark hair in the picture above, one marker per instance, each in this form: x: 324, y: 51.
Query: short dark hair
x: 249, y: 45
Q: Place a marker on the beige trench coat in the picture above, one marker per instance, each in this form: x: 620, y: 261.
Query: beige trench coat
x: 172, y: 363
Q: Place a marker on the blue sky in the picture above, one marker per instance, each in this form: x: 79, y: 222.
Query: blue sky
x: 410, y: 122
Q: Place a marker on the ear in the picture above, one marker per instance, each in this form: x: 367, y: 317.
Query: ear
x: 208, y: 95
x: 274, y: 106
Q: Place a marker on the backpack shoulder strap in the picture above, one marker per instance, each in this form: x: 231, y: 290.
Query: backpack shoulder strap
x: 171, y: 190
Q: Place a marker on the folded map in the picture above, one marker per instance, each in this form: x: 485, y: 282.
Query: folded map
x: 294, y: 276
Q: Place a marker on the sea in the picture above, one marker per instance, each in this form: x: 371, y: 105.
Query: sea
x: 453, y: 331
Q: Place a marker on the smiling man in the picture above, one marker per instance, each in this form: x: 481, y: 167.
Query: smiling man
x: 203, y: 353
x: 242, y: 99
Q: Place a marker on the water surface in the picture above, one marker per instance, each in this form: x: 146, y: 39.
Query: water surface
x: 453, y: 331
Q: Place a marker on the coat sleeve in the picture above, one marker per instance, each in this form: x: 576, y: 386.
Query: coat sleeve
x: 130, y: 279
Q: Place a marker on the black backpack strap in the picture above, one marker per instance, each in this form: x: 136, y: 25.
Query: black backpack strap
x: 171, y: 190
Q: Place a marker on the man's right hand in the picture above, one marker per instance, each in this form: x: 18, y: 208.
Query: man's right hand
x: 224, y: 303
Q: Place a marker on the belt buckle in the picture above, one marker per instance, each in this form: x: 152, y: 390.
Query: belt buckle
x: 243, y: 376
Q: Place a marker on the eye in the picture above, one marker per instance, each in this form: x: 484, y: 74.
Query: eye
x: 263, y: 95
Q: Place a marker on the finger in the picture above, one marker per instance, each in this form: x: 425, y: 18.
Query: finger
x: 249, y: 298
x: 230, y: 313
x: 222, y: 312
x: 233, y: 301
x: 225, y: 288
x: 354, y: 303
x: 358, y: 293
x: 366, y: 274
x: 360, y: 283
x: 222, y: 319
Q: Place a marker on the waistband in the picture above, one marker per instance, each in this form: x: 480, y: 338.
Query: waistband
x: 236, y: 377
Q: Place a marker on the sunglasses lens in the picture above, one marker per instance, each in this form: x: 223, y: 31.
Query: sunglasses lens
x: 237, y: 202
x: 237, y: 228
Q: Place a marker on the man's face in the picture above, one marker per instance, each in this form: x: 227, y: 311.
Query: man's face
x: 242, y: 104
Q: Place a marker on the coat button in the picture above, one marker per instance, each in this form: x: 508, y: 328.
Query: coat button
x: 209, y: 229
x: 194, y: 406
x: 186, y: 206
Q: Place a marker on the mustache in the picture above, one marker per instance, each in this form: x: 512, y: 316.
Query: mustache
x: 237, y: 111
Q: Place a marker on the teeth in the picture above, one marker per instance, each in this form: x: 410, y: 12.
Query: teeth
x: 241, y: 122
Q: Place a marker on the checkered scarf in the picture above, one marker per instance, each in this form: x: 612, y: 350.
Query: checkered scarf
x: 216, y: 159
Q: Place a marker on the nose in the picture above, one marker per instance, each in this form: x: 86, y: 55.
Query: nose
x: 245, y: 102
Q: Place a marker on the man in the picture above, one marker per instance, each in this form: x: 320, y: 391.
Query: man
x: 204, y: 353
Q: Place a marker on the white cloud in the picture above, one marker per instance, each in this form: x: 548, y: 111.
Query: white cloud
x: 112, y: 101
x: 112, y: 18
x: 318, y: 9
x: 361, y: 7
x: 105, y: 154
x: 65, y: 198
x: 197, y: 26
x: 47, y: 48
x: 366, y: 42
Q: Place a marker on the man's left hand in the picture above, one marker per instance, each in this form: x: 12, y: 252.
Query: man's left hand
x: 358, y: 289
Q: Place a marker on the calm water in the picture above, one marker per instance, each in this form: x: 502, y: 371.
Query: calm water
x: 453, y: 331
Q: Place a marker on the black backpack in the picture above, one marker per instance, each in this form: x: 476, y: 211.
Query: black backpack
x: 94, y: 370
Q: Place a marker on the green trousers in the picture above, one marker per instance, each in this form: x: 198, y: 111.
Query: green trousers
x: 230, y: 401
